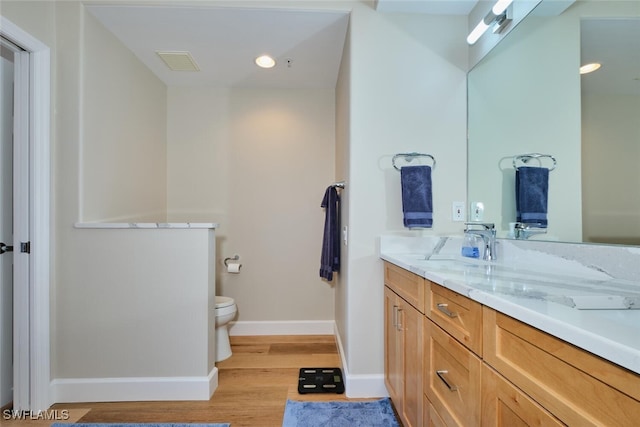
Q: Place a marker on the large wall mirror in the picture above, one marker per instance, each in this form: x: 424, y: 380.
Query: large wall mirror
x: 527, y: 96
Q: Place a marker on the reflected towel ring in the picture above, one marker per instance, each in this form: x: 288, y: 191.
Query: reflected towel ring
x: 525, y: 158
x: 408, y: 157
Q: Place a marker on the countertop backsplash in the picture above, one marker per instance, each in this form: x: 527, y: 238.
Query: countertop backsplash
x: 590, y: 261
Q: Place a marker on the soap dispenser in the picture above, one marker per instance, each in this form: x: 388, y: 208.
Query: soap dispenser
x: 470, y: 246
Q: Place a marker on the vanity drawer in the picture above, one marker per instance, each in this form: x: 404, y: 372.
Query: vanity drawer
x: 460, y: 316
x: 452, y: 378
x: 431, y: 417
x: 504, y: 405
x: 576, y: 386
x: 409, y: 286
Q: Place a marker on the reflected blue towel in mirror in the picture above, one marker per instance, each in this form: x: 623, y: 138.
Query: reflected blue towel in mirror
x: 417, y: 204
x: 532, y: 193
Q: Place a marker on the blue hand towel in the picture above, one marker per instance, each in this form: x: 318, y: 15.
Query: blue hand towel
x: 330, y: 258
x: 417, y: 204
x: 532, y: 191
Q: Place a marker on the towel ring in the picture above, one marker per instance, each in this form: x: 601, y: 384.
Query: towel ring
x: 525, y: 158
x: 408, y: 157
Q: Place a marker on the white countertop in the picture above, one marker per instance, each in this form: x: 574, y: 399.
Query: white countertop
x: 147, y: 225
x: 546, y: 299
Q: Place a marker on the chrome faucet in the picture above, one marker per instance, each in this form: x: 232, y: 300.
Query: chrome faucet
x: 488, y: 233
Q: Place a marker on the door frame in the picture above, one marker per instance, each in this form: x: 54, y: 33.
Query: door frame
x: 33, y: 316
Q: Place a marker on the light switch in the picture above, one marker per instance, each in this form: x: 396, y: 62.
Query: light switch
x: 477, y: 211
x: 457, y: 213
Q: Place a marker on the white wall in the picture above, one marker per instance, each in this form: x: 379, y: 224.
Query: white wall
x: 407, y: 92
x: 123, y: 311
x: 257, y: 162
x: 124, y: 109
x: 343, y: 133
x: 610, y: 135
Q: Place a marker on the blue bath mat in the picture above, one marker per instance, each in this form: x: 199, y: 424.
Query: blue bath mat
x: 138, y: 425
x: 376, y: 413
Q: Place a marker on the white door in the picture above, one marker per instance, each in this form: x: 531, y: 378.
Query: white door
x: 14, y: 228
x: 31, y: 219
x: 6, y: 223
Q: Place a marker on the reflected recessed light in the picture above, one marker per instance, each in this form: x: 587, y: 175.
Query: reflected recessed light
x: 589, y: 68
x: 265, y: 61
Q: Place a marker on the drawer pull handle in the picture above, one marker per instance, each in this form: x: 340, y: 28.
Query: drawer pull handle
x: 440, y: 375
x: 395, y: 316
x: 444, y: 308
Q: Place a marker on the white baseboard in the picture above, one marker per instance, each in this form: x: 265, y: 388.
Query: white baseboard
x: 360, y: 386
x: 133, y: 389
x: 308, y: 327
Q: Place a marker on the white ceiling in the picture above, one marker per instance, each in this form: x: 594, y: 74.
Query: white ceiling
x: 307, y: 45
x: 436, y: 7
x: 225, y: 41
x: 615, y: 44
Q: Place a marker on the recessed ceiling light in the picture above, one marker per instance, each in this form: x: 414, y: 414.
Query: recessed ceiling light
x: 589, y: 68
x: 265, y: 61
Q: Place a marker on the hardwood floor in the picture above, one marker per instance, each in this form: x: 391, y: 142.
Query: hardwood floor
x: 253, y: 387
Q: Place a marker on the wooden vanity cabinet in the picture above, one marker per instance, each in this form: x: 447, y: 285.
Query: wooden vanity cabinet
x: 577, y: 387
x: 449, y: 361
x: 404, y: 313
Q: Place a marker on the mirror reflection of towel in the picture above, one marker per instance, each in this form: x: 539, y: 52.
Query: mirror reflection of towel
x: 532, y: 192
x: 417, y: 204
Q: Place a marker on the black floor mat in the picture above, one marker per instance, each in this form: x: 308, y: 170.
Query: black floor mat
x: 320, y: 380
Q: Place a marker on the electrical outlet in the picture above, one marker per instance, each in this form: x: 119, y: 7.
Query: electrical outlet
x: 457, y: 212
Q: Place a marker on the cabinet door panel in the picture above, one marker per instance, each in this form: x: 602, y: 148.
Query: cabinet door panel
x: 411, y: 325
x: 392, y: 344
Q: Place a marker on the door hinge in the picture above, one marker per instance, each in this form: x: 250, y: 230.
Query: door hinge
x: 25, y: 247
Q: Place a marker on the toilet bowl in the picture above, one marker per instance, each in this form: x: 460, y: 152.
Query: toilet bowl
x: 225, y: 312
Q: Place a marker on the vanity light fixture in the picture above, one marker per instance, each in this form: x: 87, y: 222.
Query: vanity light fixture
x: 590, y: 68
x: 265, y: 61
x: 497, y: 15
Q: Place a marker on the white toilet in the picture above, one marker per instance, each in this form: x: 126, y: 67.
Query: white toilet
x: 225, y: 312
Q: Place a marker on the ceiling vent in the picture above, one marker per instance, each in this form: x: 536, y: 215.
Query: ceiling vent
x: 179, y: 61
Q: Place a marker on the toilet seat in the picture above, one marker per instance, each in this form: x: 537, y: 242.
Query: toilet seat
x: 224, y: 301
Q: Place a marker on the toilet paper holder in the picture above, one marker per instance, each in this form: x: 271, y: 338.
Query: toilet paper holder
x: 234, y: 258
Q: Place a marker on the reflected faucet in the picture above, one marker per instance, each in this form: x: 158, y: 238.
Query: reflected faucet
x: 487, y: 231
x: 524, y: 231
